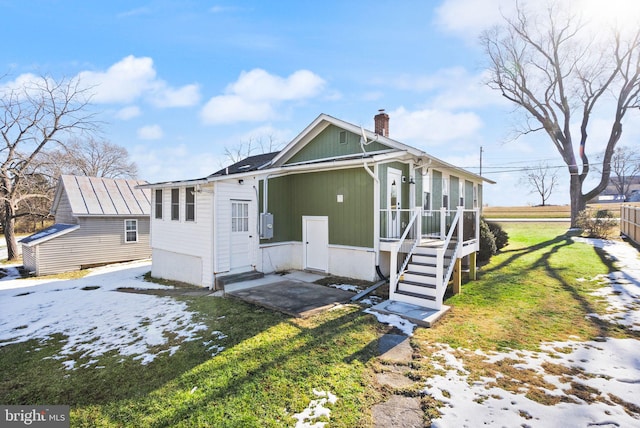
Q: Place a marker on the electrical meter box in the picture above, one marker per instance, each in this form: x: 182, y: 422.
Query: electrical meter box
x: 266, y: 226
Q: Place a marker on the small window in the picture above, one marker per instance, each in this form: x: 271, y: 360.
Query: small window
x: 343, y: 137
x: 475, y: 196
x: 239, y: 216
x: 445, y: 192
x: 175, y: 204
x: 426, y: 201
x: 158, y: 203
x: 190, y: 204
x: 131, y: 231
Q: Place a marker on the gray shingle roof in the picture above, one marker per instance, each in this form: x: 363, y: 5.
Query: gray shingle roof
x: 48, y: 233
x: 251, y: 163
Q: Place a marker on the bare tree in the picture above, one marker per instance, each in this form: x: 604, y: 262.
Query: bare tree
x: 550, y: 69
x: 93, y: 158
x: 35, y: 114
x: 625, y: 165
x: 251, y: 147
x: 541, y: 179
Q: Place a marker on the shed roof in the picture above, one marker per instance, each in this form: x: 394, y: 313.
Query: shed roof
x: 103, y: 196
x: 50, y: 232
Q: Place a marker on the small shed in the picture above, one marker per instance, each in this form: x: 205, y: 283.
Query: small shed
x: 97, y: 221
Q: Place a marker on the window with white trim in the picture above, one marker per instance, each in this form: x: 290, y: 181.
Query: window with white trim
x: 175, y: 204
x: 475, y: 196
x: 131, y: 231
x: 445, y: 192
x: 190, y: 204
x: 461, y: 191
x: 158, y: 203
x: 239, y: 216
x: 426, y: 191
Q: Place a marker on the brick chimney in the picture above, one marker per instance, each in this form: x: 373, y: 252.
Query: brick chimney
x: 381, y: 121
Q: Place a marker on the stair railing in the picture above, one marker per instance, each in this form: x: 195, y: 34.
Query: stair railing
x: 442, y: 276
x: 405, y: 247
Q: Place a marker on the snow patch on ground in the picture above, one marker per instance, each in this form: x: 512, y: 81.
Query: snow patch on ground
x: 315, y: 410
x: 95, y: 318
x: 593, y: 383
x: 621, y: 288
x: 402, y: 324
x: 346, y: 287
x: 599, y: 391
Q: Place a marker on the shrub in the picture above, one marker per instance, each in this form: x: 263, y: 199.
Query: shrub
x: 487, y: 243
x: 596, y: 223
x: 502, y: 237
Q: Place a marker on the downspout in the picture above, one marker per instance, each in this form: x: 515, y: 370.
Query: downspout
x: 376, y: 244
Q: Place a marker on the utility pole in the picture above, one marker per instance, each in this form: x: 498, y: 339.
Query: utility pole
x: 480, y: 161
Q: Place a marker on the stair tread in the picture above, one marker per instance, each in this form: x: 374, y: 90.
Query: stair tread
x: 417, y: 284
x: 416, y: 295
x: 422, y: 264
x: 413, y: 272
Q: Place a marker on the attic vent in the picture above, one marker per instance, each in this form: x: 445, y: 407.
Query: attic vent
x: 343, y: 137
x: 244, y: 167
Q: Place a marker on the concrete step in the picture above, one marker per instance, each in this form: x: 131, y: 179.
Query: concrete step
x: 236, y: 277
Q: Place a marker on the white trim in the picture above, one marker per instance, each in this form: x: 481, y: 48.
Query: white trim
x: 351, y: 247
x: 324, y: 264
x: 126, y: 231
x: 276, y: 244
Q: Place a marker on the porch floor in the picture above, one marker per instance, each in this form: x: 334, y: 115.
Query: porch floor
x: 419, y: 315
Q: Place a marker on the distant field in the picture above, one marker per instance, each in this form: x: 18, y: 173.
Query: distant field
x: 549, y: 211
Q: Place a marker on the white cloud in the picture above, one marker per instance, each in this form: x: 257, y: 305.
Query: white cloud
x: 256, y: 95
x: 176, y: 162
x: 133, y: 78
x: 123, y: 82
x: 454, y: 88
x: 467, y: 18
x: 185, y: 96
x: 258, y: 84
x: 128, y: 112
x: 233, y: 108
x: 150, y: 132
x: 433, y: 127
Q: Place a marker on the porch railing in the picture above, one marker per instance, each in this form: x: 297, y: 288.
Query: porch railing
x: 459, y: 231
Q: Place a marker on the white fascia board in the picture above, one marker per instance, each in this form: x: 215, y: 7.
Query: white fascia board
x: 178, y: 183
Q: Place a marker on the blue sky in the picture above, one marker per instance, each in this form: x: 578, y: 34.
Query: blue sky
x: 177, y: 82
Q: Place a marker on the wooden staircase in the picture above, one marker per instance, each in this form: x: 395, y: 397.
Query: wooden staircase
x: 418, y: 283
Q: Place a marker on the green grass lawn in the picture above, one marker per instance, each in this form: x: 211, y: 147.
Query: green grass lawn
x: 528, y: 294
x: 531, y: 292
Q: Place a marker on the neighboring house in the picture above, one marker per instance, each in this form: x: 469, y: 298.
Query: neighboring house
x: 337, y: 199
x: 611, y: 193
x: 97, y: 221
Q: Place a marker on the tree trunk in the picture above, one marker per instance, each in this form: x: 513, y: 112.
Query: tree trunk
x: 578, y: 201
x: 10, y: 233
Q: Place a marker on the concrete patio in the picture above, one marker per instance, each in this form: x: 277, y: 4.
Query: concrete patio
x: 293, y: 293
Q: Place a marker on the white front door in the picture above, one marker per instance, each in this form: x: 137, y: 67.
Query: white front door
x: 394, y: 202
x: 240, y: 235
x: 315, y: 240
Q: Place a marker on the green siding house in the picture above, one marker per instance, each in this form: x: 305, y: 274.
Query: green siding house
x: 337, y: 199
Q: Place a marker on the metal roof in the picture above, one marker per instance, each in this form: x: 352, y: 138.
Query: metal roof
x: 103, y: 196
